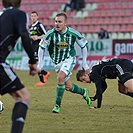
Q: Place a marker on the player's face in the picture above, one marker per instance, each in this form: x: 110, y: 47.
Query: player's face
x: 34, y: 17
x: 85, y: 79
x: 60, y: 23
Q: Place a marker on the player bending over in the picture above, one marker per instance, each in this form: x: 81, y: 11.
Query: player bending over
x: 110, y: 69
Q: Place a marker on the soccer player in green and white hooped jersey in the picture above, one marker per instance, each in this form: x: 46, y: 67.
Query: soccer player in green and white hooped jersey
x: 60, y: 41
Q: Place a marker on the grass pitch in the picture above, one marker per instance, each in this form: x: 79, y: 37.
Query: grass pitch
x: 115, y: 115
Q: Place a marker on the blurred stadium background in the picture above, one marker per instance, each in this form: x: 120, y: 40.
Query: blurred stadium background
x: 116, y: 16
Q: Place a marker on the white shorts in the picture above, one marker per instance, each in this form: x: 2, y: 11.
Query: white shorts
x: 66, y: 66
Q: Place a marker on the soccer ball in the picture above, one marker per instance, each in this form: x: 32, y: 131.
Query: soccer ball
x: 1, y: 107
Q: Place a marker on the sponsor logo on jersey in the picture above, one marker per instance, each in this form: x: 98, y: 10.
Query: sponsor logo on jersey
x: 61, y: 45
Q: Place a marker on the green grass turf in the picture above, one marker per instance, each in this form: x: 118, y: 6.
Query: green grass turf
x: 115, y: 115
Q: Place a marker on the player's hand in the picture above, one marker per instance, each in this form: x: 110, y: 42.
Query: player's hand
x: 33, y: 69
x: 34, y: 37
x: 85, y: 67
x: 87, y: 71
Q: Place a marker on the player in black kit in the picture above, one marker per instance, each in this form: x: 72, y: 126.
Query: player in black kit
x: 110, y: 69
x: 14, y: 25
x: 37, y: 32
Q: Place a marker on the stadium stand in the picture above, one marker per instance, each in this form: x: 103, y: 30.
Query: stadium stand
x: 116, y: 16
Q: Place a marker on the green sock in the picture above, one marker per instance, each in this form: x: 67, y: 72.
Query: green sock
x: 59, y: 93
x: 78, y: 90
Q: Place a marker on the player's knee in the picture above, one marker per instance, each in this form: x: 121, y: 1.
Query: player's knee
x: 60, y: 79
x: 129, y: 85
x: 68, y: 87
x: 122, y: 89
x: 130, y: 89
x: 26, y: 97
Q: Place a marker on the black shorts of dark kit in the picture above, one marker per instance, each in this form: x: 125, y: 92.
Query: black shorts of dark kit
x: 9, y: 81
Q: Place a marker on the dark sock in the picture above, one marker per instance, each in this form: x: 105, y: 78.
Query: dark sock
x: 130, y: 94
x: 78, y: 90
x: 18, y: 116
x: 44, y: 72
x: 41, y: 77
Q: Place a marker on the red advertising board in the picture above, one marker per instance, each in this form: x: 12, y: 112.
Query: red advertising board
x: 123, y: 47
x: 92, y: 60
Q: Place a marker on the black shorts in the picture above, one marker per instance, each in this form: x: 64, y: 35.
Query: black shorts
x: 9, y: 81
x: 125, y: 70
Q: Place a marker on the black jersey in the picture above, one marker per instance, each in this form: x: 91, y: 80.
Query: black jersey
x: 14, y: 25
x: 111, y: 69
x: 37, y: 29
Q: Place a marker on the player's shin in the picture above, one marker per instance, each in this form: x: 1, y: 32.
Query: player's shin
x: 78, y: 90
x: 41, y: 77
x: 59, y: 93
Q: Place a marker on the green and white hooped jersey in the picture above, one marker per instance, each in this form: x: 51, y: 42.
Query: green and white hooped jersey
x: 61, y: 45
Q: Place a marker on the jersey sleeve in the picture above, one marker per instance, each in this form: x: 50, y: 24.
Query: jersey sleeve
x: 98, y: 83
x: 43, y: 30
x: 42, y: 46
x: 21, y: 25
x: 82, y: 42
x: 45, y: 41
x: 80, y: 39
x: 41, y: 58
